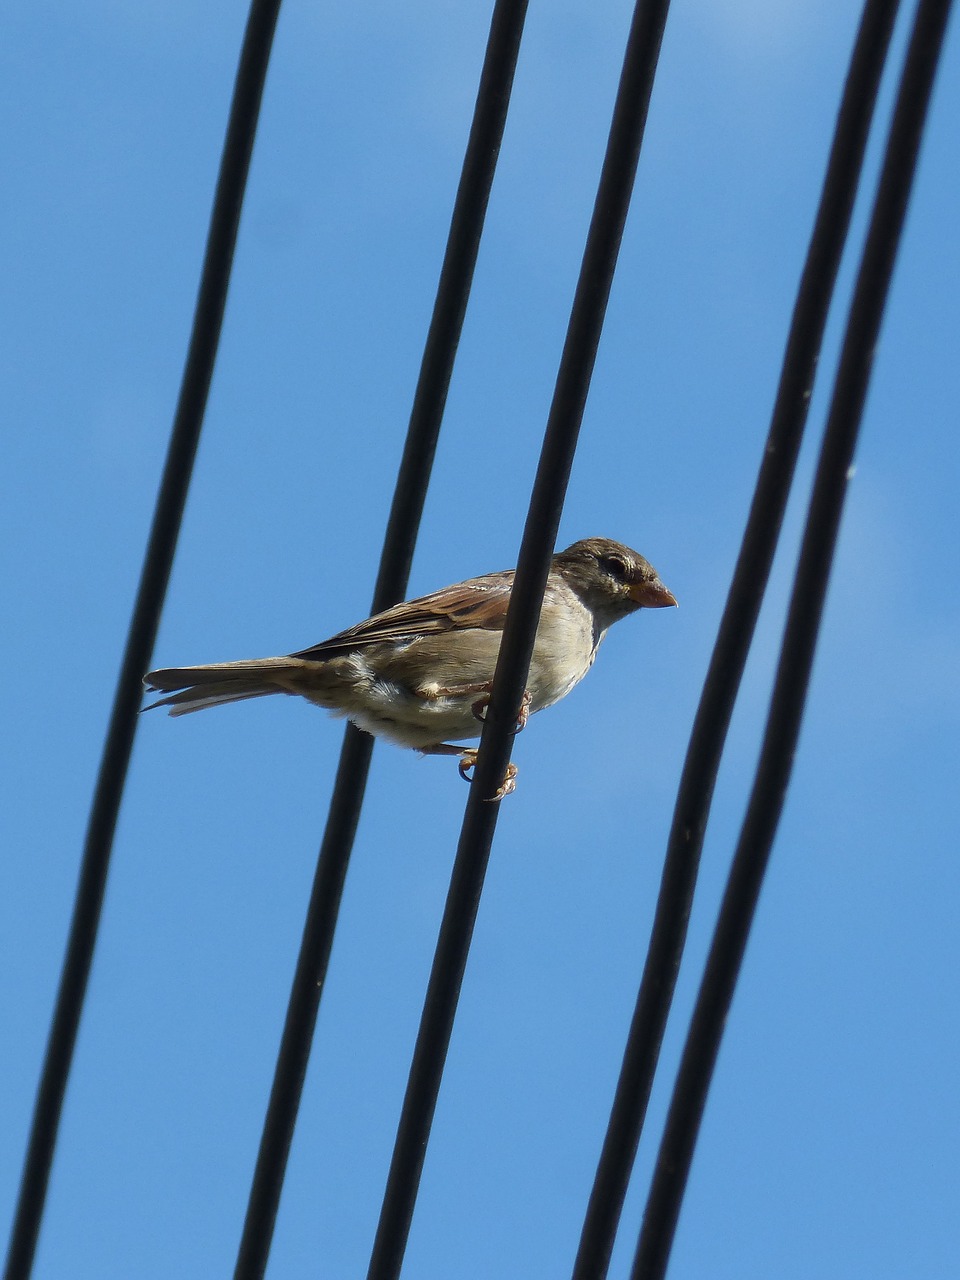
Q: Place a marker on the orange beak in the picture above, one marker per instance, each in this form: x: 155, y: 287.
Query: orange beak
x: 652, y: 595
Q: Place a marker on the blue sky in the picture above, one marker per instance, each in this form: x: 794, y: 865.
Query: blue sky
x: 830, y: 1141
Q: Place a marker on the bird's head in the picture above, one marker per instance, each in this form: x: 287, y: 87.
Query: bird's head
x: 611, y: 580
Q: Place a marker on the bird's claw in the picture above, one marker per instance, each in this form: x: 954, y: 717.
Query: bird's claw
x: 523, y: 715
x: 479, y: 709
x: 466, y: 764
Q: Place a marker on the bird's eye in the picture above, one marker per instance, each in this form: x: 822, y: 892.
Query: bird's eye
x: 615, y: 567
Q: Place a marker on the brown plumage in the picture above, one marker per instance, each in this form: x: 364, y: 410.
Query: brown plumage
x: 417, y: 673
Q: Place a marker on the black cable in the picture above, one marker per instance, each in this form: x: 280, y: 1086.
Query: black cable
x: 473, y: 193
x: 733, y: 641
x: 155, y: 574
x: 799, y: 643
x: 540, y: 531
x: 483, y: 147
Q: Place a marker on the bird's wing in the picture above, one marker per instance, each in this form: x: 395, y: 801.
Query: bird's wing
x: 479, y: 604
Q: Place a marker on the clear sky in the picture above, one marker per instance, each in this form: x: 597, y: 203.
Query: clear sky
x: 830, y: 1145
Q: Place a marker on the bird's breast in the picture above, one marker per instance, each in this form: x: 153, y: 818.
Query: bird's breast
x: 563, y: 653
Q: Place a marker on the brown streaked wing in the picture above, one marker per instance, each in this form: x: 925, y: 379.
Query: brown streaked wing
x: 480, y: 603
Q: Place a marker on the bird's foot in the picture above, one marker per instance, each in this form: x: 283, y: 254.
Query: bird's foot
x: 509, y: 784
x: 479, y: 709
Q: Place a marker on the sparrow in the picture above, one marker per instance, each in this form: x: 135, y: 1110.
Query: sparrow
x: 422, y: 671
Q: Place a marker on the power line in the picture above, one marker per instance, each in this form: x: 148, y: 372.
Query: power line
x: 556, y: 458
x: 719, y: 692
x: 734, y: 639
x: 155, y: 574
x: 799, y: 644
x: 483, y: 146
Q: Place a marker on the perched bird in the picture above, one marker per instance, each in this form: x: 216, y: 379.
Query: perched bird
x: 422, y: 672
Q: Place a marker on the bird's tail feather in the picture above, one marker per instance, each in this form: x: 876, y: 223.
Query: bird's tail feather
x: 193, y: 688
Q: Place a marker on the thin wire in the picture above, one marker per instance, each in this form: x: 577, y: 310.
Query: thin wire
x: 483, y: 147
x: 155, y: 575
x: 799, y: 644
x: 733, y: 640
x: 540, y: 531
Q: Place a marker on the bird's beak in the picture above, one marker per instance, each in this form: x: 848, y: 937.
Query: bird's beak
x: 652, y: 595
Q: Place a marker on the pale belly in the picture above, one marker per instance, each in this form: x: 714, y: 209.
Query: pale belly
x: 384, y: 703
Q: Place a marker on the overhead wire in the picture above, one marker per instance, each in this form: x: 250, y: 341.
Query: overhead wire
x: 727, y: 662
x: 154, y: 577
x: 734, y: 638
x: 483, y: 146
x: 539, y: 537
x: 832, y: 478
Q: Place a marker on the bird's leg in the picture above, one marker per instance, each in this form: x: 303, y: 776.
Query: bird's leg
x: 453, y: 690
x: 480, y: 706
x: 468, y: 758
